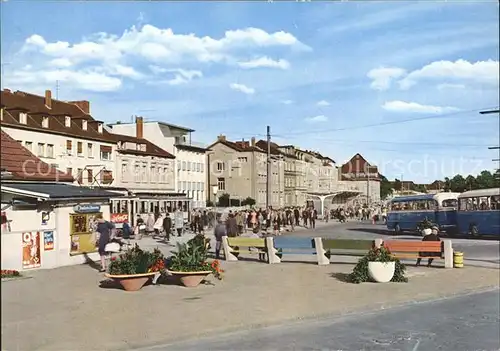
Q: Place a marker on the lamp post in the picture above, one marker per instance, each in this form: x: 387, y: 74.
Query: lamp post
x: 215, y: 190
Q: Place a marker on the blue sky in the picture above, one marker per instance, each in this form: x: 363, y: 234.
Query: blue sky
x: 339, y: 78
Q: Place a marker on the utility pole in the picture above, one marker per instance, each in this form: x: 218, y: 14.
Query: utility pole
x: 57, y: 90
x: 269, y: 175
x: 493, y: 147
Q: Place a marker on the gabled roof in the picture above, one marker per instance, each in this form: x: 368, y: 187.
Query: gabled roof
x: 240, y: 146
x: 23, y: 165
x: 34, y: 105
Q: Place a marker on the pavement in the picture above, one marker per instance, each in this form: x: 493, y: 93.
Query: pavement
x: 461, y: 323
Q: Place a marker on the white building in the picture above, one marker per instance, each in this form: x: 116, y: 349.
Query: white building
x: 190, y: 164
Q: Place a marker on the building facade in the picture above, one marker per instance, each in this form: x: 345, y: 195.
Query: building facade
x: 189, y: 168
x: 363, y: 176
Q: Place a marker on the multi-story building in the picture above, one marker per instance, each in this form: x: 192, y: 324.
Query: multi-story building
x: 363, y: 176
x: 190, y: 165
x: 66, y: 136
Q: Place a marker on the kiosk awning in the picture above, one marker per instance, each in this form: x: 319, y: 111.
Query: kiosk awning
x: 56, y: 191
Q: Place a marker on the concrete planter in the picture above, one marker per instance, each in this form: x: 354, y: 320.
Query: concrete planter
x: 190, y: 279
x: 132, y: 282
x: 381, y: 272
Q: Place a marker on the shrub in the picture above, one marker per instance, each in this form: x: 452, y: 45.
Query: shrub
x: 382, y: 254
x: 10, y: 273
x: 137, y: 261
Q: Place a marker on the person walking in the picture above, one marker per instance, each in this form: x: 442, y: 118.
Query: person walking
x: 179, y: 222
x: 104, y: 229
x: 219, y: 232
x: 167, y: 226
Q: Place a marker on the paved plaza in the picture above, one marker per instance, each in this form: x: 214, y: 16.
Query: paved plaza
x: 76, y: 308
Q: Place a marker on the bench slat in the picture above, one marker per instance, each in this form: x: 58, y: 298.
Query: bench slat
x: 293, y: 243
x: 346, y: 244
x: 411, y: 246
x: 407, y: 256
x: 247, y: 242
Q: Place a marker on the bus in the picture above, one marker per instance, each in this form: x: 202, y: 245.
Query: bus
x: 406, y: 212
x: 479, y: 212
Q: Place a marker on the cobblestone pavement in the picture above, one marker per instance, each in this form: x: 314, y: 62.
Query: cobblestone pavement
x: 76, y: 308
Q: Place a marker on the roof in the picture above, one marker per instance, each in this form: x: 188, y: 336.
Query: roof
x: 240, y: 146
x: 23, y: 165
x: 55, y: 191
x: 170, y: 125
x: 34, y: 105
x: 481, y: 192
x: 191, y: 148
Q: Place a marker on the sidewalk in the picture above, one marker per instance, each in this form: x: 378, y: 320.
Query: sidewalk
x: 66, y: 309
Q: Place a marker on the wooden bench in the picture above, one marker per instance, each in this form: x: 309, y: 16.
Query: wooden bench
x: 233, y: 247
x: 345, y: 247
x: 290, y: 245
x: 409, y: 249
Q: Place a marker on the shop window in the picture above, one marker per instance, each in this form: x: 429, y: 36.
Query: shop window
x: 82, y: 229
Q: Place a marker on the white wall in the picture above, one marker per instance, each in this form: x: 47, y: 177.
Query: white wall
x: 23, y: 221
x: 191, y: 176
x: 132, y: 175
x: 61, y: 160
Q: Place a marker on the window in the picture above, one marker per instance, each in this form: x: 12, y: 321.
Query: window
x: 23, y: 118
x: 152, y: 174
x: 184, y: 186
x: 45, y: 122
x: 90, y: 150
x: 189, y: 166
x: 450, y: 203
x: 106, y: 177
x: 183, y: 165
x: 124, y: 172
x: 243, y: 159
x: 202, y: 167
x: 79, y: 148
x: 41, y: 150
x: 179, y: 166
x: 167, y: 178
x: 144, y: 174
x: 67, y: 121
x: 90, y: 176
x: 221, y: 183
x: 220, y: 166
x: 106, y: 153
x: 99, y: 128
x: 84, y: 124
x: 137, y: 173
x: 29, y: 145
x: 69, y: 147
x: 80, y: 176
x: 69, y: 170
x: 50, y: 150
x: 179, y: 186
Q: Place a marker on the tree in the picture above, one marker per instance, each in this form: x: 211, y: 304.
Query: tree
x: 223, y: 200
x: 458, y: 184
x: 248, y: 202
x: 209, y: 203
x: 397, y: 185
x: 485, y: 180
x: 471, y: 182
x: 385, y: 187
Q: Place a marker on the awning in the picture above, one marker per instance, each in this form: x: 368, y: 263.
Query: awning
x: 56, y: 191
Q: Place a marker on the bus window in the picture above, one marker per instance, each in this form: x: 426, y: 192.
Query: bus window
x: 495, y: 202
x: 483, y: 203
x: 450, y: 203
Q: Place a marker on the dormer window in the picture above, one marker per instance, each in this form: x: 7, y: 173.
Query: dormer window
x: 23, y: 118
x: 67, y: 121
x: 45, y: 122
x: 99, y: 128
x: 84, y: 124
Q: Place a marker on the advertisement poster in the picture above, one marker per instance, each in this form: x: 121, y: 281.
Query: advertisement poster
x: 48, y: 241
x: 31, y: 250
x: 119, y: 217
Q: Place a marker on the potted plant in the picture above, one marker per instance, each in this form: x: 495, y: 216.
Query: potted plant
x: 425, y: 226
x: 190, y: 263
x: 135, y: 267
x: 380, y: 266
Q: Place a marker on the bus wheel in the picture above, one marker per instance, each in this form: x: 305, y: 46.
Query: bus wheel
x: 474, y: 231
x: 397, y: 229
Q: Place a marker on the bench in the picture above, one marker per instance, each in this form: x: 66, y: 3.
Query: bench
x: 346, y: 247
x: 233, y: 247
x: 409, y: 249
x: 290, y: 245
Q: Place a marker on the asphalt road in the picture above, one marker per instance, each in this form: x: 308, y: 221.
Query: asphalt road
x: 477, y: 252
x: 462, y: 323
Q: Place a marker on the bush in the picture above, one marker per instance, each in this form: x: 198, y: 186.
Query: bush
x: 382, y: 254
x: 10, y: 273
x: 137, y: 261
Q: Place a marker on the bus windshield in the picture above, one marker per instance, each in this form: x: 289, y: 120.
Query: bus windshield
x: 450, y: 203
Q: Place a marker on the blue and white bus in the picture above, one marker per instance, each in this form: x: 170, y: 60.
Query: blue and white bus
x: 406, y: 212
x: 479, y: 212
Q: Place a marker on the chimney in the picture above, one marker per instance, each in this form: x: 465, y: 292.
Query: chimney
x: 48, y: 98
x: 253, y: 141
x: 139, y: 127
x: 221, y: 137
x: 83, y: 105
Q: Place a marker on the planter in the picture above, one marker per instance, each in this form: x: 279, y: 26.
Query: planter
x: 132, y: 282
x: 426, y: 231
x: 191, y: 279
x: 381, y: 272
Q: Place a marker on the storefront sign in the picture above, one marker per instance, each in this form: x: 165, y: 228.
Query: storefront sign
x: 45, y: 217
x: 87, y: 208
x: 119, y: 217
x: 48, y: 241
x: 31, y: 250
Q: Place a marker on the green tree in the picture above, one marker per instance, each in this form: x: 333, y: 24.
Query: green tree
x: 248, y: 202
x: 397, y: 185
x: 209, y: 203
x: 385, y: 187
x: 471, y: 182
x: 223, y: 200
x: 458, y: 184
x: 485, y: 180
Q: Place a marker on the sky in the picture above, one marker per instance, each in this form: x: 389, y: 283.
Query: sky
x: 401, y: 83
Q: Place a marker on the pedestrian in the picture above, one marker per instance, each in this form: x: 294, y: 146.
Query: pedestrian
x: 167, y: 226
x: 150, y: 224
x: 179, y: 222
x: 126, y: 231
x: 219, y: 232
x: 104, y: 229
x: 430, y: 237
x: 231, y: 226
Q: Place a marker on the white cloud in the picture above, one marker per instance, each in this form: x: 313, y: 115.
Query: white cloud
x: 482, y: 72
x: 383, y: 77
x: 123, y: 71
x: 323, y: 103
x: 317, y: 119
x: 287, y: 102
x: 448, y: 86
x: 180, y: 76
x: 413, y: 107
x: 60, y: 63
x: 242, y: 88
x: 265, y: 62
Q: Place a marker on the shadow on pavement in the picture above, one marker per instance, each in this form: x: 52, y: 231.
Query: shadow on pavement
x: 110, y: 284
x: 91, y: 263
x: 342, y: 277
